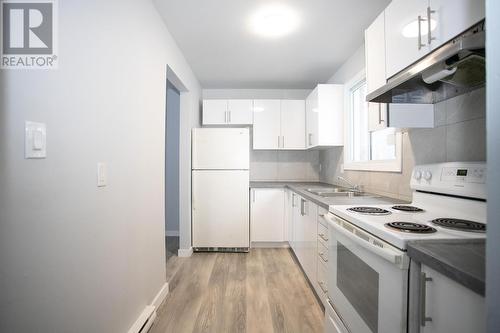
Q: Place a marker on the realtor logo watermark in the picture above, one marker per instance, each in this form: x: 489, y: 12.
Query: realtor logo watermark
x: 29, y: 34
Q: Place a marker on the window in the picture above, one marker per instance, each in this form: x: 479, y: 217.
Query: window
x: 378, y: 150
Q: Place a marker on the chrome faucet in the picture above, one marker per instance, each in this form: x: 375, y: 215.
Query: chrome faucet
x: 352, y: 186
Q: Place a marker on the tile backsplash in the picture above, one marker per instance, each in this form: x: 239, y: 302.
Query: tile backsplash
x: 459, y: 135
x: 270, y: 165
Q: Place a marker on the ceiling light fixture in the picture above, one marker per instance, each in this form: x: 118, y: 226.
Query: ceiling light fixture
x: 274, y: 20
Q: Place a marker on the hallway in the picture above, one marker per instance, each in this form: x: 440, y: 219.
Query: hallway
x: 262, y: 291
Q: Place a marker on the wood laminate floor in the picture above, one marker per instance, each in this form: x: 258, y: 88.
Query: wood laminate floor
x: 261, y: 291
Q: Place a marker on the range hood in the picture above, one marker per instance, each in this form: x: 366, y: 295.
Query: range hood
x: 455, y: 68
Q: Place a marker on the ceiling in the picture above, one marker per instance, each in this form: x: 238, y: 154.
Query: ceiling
x: 223, y: 52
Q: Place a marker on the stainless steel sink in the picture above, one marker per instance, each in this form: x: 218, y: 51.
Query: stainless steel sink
x: 349, y: 194
x: 336, y: 192
x: 324, y: 191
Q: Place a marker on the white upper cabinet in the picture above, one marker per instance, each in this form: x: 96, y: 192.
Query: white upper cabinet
x: 375, y: 54
x: 375, y: 70
x: 240, y: 111
x: 266, y: 124
x: 312, y: 119
x: 413, y: 28
x: 227, y: 112
x: 214, y: 111
x: 293, y: 124
x: 279, y: 124
x: 324, y: 116
x: 404, y: 39
x: 452, y: 18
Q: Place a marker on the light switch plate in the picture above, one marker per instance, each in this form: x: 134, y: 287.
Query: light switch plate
x: 102, y: 174
x: 35, y: 140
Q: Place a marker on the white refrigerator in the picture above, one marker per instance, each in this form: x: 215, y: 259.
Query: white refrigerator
x: 220, y: 188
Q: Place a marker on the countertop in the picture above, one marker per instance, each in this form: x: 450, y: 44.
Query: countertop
x: 462, y: 260
x: 301, y: 187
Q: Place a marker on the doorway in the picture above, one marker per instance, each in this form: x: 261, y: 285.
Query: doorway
x: 172, y: 158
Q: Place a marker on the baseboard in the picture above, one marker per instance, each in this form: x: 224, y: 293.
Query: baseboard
x: 270, y: 245
x: 148, y: 315
x: 145, y: 320
x: 160, y: 296
x: 173, y: 233
x: 183, y: 253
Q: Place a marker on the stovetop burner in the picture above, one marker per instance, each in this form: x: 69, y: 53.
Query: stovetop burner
x: 410, y: 227
x: 370, y: 210
x: 406, y: 208
x: 462, y: 225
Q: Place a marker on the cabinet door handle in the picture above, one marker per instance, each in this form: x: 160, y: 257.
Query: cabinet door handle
x: 293, y: 200
x: 302, y: 210
x: 423, y: 293
x: 429, y: 28
x: 322, y: 286
x: 283, y: 141
x: 229, y: 116
x: 253, y: 195
x: 323, y: 237
x: 380, y: 121
x: 420, y: 20
x: 322, y: 258
x: 310, y: 139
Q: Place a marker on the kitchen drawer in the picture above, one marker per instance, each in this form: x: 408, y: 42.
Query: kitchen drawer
x: 322, y: 253
x: 322, y: 282
x: 323, y: 234
x: 321, y: 213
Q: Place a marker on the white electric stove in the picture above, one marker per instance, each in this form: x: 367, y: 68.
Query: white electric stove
x: 368, y: 269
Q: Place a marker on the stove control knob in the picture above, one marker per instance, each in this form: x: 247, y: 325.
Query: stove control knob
x: 427, y: 175
x: 417, y: 175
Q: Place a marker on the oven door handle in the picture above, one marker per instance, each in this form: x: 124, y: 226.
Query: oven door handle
x: 364, y: 239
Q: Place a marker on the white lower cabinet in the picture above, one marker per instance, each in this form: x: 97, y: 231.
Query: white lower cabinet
x: 289, y: 206
x: 449, y: 307
x: 321, y: 284
x: 294, y: 222
x: 333, y: 324
x: 267, y: 215
x: 305, y: 236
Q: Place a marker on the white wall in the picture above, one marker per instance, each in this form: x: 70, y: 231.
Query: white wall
x: 350, y: 68
x: 74, y: 257
x: 493, y: 106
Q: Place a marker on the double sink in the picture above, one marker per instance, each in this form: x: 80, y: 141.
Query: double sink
x: 337, y: 192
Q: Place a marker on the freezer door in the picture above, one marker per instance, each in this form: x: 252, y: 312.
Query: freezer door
x: 221, y: 148
x: 221, y: 208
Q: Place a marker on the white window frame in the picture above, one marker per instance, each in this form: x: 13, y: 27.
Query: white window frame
x: 394, y: 165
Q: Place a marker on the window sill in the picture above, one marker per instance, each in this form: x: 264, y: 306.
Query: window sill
x: 382, y: 166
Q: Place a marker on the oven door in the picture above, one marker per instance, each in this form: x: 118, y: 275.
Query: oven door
x: 367, y: 280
